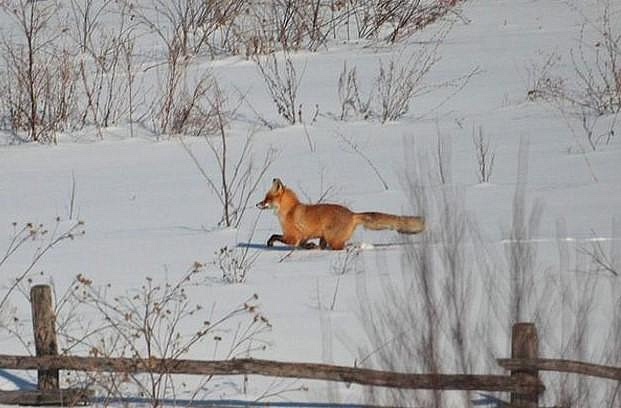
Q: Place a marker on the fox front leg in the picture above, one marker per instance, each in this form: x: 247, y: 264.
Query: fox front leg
x: 274, y: 238
x: 287, y: 240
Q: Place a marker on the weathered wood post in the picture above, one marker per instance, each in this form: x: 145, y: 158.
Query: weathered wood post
x: 525, y: 345
x: 44, y: 325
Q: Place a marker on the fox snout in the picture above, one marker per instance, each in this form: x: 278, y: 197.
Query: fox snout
x: 273, y: 195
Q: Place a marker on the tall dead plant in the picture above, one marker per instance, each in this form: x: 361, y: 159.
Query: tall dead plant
x: 484, y: 155
x: 237, y: 177
x: 425, y: 318
x: 350, y: 98
x: 520, y: 248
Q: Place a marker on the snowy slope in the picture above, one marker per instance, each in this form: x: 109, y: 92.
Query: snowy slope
x: 149, y: 213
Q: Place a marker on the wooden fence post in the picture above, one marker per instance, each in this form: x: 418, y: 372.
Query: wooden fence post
x: 44, y: 325
x: 524, y: 345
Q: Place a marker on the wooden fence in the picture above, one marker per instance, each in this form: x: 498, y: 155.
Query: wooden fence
x: 522, y: 382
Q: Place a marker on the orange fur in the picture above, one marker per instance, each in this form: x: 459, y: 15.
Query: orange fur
x: 332, y: 224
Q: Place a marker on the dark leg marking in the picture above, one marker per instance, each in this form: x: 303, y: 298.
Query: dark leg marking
x: 322, y: 243
x: 275, y: 237
x: 307, y: 245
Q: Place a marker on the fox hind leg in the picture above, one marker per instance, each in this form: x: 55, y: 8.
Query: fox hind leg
x: 336, y: 245
x: 323, y: 244
x: 305, y: 244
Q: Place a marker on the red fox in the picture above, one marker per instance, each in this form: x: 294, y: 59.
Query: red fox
x: 333, y: 224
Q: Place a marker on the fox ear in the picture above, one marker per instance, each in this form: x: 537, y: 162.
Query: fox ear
x: 277, y: 184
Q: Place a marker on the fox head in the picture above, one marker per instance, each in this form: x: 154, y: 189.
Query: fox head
x: 273, y: 196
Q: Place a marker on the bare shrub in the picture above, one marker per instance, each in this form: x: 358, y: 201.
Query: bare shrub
x: 188, y: 26
x: 425, y: 319
x: 402, y: 328
x: 178, y: 107
x: 392, y: 21
x: 594, y: 89
x: 452, y: 307
x: 186, y: 113
x: 260, y: 39
x: 598, y: 71
x: 398, y: 82
x: 596, y: 84
x: 282, y: 81
x: 583, y: 122
x: 223, y: 25
x: 39, y: 241
x: 543, y: 82
x: 237, y: 181
x: 311, y: 24
x: 603, y: 262
x: 39, y: 78
x: 485, y: 156
x: 286, y: 23
x: 292, y: 25
x: 44, y: 239
x: 159, y: 320
x: 102, y: 63
x: 184, y: 29
x: 210, y: 24
x: 611, y: 354
x: 577, y: 293
x: 234, y: 263
x: 349, y: 96
x: 585, y: 319
x: 85, y: 21
x: 520, y: 248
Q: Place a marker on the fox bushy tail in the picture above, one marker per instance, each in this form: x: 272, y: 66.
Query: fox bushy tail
x: 401, y: 223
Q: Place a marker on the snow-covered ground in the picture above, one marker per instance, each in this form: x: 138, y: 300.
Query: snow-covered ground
x: 149, y: 213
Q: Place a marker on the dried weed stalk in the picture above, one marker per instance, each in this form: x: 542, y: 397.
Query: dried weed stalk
x: 236, y: 181
x: 159, y: 320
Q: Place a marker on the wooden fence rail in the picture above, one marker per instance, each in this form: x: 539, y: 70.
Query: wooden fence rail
x: 283, y: 369
x: 562, y: 366
x: 523, y: 382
